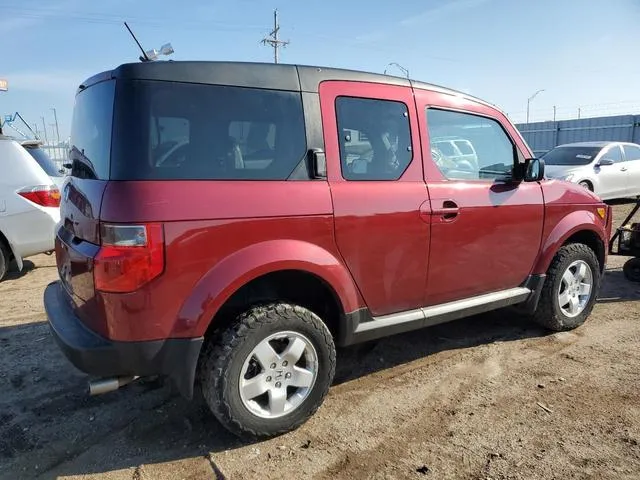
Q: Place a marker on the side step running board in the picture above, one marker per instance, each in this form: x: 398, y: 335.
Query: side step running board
x: 391, y: 324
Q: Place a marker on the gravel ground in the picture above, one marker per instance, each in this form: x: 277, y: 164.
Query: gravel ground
x: 486, y: 397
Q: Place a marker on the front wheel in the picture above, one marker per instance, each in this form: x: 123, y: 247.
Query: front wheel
x: 269, y: 371
x: 570, y: 289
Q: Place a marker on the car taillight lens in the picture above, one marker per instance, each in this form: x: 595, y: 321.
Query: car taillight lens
x: 43, y: 195
x: 129, y: 257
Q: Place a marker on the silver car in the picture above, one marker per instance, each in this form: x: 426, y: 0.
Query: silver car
x: 609, y: 169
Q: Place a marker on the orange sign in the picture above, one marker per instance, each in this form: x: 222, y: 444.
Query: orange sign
x: 4, y: 85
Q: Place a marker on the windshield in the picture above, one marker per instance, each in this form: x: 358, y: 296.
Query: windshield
x: 44, y: 161
x: 571, y: 156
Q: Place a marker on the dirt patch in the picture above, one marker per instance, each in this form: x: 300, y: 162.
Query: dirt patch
x: 486, y: 397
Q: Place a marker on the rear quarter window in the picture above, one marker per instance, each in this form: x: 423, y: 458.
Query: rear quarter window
x: 178, y: 131
x: 90, y: 150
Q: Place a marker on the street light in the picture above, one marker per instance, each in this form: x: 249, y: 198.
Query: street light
x: 529, y: 101
x: 404, y: 70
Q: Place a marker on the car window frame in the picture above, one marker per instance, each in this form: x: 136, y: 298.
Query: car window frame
x: 517, y: 155
x: 339, y: 133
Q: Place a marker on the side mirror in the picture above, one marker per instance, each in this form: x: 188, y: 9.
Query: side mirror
x: 318, y: 161
x: 603, y: 162
x: 534, y: 170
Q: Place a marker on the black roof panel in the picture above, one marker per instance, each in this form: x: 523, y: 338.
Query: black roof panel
x: 258, y: 75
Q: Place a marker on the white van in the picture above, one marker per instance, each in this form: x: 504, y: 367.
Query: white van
x: 29, y: 206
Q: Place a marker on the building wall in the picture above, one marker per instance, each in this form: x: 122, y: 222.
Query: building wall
x: 543, y: 136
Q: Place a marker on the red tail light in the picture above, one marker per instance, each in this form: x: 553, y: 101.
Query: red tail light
x: 43, y: 195
x: 130, y: 257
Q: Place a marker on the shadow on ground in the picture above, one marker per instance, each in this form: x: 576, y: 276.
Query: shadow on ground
x: 50, y: 427
x: 15, y: 274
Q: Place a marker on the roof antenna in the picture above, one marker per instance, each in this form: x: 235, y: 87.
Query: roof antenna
x: 143, y: 57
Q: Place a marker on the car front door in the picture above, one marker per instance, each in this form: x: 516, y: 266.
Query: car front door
x: 612, y: 179
x: 632, y: 163
x: 374, y: 169
x: 486, y: 228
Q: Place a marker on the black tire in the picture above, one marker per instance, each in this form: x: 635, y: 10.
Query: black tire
x: 586, y: 185
x: 4, y: 260
x: 631, y: 269
x: 548, y: 313
x: 224, y: 356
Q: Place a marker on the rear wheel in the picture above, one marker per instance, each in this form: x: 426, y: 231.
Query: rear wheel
x: 268, y: 372
x: 631, y: 269
x: 4, y: 260
x: 570, y: 289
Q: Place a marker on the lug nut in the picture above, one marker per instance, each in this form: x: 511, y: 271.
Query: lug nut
x: 287, y: 375
x: 278, y: 384
x: 273, y: 365
x: 268, y: 379
x: 285, y: 363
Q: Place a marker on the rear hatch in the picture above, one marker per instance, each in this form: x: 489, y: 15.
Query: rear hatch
x: 78, y: 236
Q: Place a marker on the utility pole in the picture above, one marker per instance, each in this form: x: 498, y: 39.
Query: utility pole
x: 579, y: 111
x: 554, y: 113
x: 44, y: 126
x: 272, y: 40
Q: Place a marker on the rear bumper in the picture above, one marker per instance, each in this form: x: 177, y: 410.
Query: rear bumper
x: 95, y: 355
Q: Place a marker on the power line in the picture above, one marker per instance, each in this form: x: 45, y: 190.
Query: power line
x: 272, y: 40
x: 107, y: 19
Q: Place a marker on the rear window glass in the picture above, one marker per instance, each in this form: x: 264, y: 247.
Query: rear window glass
x: 44, y: 161
x: 91, y: 131
x: 182, y: 131
x: 571, y: 156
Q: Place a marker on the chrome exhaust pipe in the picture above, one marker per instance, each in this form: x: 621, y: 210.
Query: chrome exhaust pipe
x: 105, y: 385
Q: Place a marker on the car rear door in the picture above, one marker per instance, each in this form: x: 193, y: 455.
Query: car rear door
x: 632, y: 164
x: 485, y: 229
x: 381, y: 207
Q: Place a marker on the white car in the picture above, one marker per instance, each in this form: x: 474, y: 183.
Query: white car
x: 29, y: 206
x: 609, y: 169
x: 34, y: 148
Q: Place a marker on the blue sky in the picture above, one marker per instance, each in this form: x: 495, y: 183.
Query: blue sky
x: 582, y: 52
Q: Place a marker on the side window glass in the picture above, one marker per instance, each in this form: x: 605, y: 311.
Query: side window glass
x: 631, y: 152
x: 469, y: 147
x: 374, y: 138
x: 614, y: 153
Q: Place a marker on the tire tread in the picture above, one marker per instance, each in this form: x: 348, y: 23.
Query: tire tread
x: 545, y: 314
x: 222, y: 346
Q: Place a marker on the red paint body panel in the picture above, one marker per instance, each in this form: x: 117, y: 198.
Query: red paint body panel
x: 569, y: 209
x: 215, y: 239
x: 176, y: 200
x: 379, y: 229
x: 493, y: 242
x: 491, y: 245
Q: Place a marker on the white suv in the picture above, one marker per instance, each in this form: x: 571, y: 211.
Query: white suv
x: 29, y: 206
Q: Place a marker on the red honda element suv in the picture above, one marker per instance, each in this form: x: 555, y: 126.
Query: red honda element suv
x: 228, y: 225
